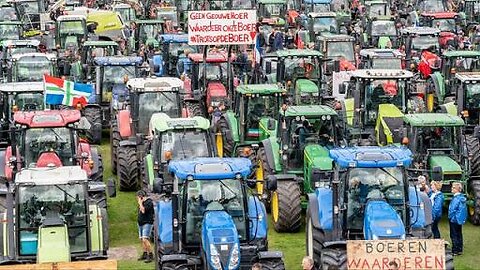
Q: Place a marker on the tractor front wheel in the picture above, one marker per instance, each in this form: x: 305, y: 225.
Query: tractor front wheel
x: 273, y: 264
x: 286, y: 207
x: 94, y: 116
x: 226, y: 142
x: 127, y: 168
x: 474, y: 210
x: 473, y: 147
x: 114, y: 141
x: 262, y: 171
x: 332, y: 258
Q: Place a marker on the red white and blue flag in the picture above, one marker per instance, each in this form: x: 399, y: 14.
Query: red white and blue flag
x: 58, y: 91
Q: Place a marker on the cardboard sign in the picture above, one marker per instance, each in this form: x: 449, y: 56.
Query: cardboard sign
x: 221, y: 27
x: 396, y: 254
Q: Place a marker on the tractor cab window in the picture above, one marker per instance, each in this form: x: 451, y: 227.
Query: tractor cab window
x: 62, y: 204
x: 325, y: 24
x: 466, y: 64
x: 72, y: 28
x: 245, y: 4
x: 148, y: 31
x: 259, y: 107
x: 273, y: 10
x: 318, y: 7
x: 153, y: 102
x: 384, y: 28
x: 178, y: 48
x: 341, y: 50
x: 364, y: 184
x: 213, y: 195
x: 437, y: 138
x: 445, y: 25
x: 127, y: 14
x: 10, y: 31
x: 101, y: 52
x: 184, y: 144
x: 473, y: 96
x: 302, y: 68
x: 375, y: 10
x: 425, y: 42
x: 28, y: 7
x: 431, y: 6
x: 387, y: 63
x: 113, y: 78
x: 28, y: 101
x: 45, y: 146
x: 214, y: 71
x: 20, y: 50
x: 32, y: 69
x: 383, y: 92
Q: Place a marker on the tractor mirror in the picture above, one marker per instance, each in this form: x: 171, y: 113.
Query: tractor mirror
x: 111, y: 188
x: 272, y: 183
x: 343, y: 88
x: 268, y: 67
x: 271, y: 124
x: 437, y: 173
x: 83, y: 124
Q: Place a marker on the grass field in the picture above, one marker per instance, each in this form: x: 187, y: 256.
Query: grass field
x: 123, y: 232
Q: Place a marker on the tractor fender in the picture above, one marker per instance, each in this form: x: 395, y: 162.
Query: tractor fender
x: 264, y: 255
x: 335, y: 244
x: 158, y: 65
x: 258, y: 217
x: 164, y: 221
x: 324, y: 201
x: 419, y: 218
x: 439, y: 85
x: 123, y: 120
x: 272, y: 148
x: 84, y: 147
x: 313, y: 210
x: 174, y: 258
x: 127, y: 143
x: 95, y: 158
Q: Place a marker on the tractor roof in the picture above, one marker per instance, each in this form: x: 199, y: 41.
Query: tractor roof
x: 468, y: 76
x: 212, y: 57
x: 67, y: 18
x: 382, y: 74
x: 100, y: 43
x: 53, y: 118
x: 260, y: 89
x: 11, y: 23
x: 420, y: 30
x: 317, y: 1
x: 371, y: 156
x: 174, y: 38
x: 335, y: 37
x: 22, y: 87
x: 381, y: 53
x: 118, y: 60
x: 211, y: 168
x: 433, y: 120
x: 161, y: 122
x: 51, y: 176
x: 157, y: 21
x: 121, y: 5
x: 17, y: 42
x: 298, y: 53
x: 309, y: 111
x: 272, y: 2
x: 155, y: 84
x: 440, y: 15
x: 375, y: 2
x: 49, y: 56
x: 466, y: 54
x: 321, y: 14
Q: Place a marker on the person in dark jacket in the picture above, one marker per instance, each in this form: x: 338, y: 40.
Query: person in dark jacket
x: 437, y: 198
x: 457, y: 215
x: 146, y: 214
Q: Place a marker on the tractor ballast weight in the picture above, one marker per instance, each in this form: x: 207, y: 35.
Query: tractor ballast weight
x: 216, y: 190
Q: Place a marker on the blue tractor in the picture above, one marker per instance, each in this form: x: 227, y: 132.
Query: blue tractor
x: 369, y: 198
x: 173, y: 48
x: 209, y: 219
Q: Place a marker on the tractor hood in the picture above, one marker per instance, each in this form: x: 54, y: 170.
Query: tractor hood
x: 306, y: 86
x: 220, y: 240
x: 381, y: 221
x: 448, y: 165
x: 216, y: 89
x: 317, y: 157
x: 389, y: 124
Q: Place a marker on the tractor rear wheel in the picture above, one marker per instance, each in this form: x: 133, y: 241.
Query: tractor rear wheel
x: 94, y: 116
x: 262, y: 171
x: 226, y: 142
x: 332, y: 258
x: 314, y: 239
x: 127, y: 168
x: 273, y: 264
x: 114, y: 141
x: 474, y: 210
x: 473, y: 147
x: 286, y: 207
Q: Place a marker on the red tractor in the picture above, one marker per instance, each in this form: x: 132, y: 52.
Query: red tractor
x: 50, y: 139
x: 449, y: 24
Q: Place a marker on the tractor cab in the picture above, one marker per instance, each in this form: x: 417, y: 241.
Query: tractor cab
x: 449, y: 24
x: 11, y: 30
x: 170, y: 16
x: 91, y: 49
x: 467, y: 100
x: 146, y: 32
x: 71, y: 32
x: 126, y: 11
x: 30, y: 67
x: 340, y: 49
x: 29, y: 12
x: 272, y: 9
x: 471, y: 9
x: 382, y: 33
x: 419, y: 39
x: 14, y: 47
x: 376, y: 8
x: 374, y: 104
x: 381, y: 59
x: 319, y: 23
x: 173, y: 47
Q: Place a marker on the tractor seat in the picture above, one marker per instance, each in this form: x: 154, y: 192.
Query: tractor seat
x: 47, y: 159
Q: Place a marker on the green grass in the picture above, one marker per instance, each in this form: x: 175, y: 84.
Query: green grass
x: 123, y: 232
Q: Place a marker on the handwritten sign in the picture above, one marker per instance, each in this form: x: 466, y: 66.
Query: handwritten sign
x: 221, y: 27
x: 396, y: 254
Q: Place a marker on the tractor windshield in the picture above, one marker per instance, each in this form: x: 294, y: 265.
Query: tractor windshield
x: 127, y: 14
x: 325, y: 24
x: 213, y: 195
x: 149, y: 31
x: 72, y: 28
x: 8, y: 14
x: 29, y: 101
x: 272, y: 10
x: 178, y: 48
x: 473, y: 100
x: 153, y: 102
x: 437, y: 138
x: 383, y: 92
x: 214, y: 71
x: 29, y: 7
x: 259, y: 107
x: 62, y: 204
x: 184, y: 144
x: 32, y: 68
x: 9, y: 31
x: 364, y: 184
x: 384, y: 28
x: 431, y: 6
x: 21, y: 49
x: 387, y: 63
x: 45, y: 146
x: 244, y: 4
x: 113, y: 77
x: 341, y: 50
x: 445, y: 25
x: 424, y: 42
x: 297, y: 67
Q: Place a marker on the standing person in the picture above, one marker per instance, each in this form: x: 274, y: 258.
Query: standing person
x: 437, y: 198
x: 308, y: 264
x: 145, y: 224
x: 457, y: 215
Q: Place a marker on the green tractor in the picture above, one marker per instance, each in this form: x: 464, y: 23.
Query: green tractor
x: 55, y: 223
x: 297, y: 156
x: 146, y: 32
x: 175, y: 139
x: 440, y: 147
x: 91, y: 49
x: 253, y: 118
x: 272, y: 10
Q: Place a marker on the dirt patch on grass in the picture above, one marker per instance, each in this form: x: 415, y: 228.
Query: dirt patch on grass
x: 123, y: 253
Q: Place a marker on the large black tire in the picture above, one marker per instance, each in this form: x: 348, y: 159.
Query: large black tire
x: 174, y: 266
x: 106, y: 236
x: 262, y: 171
x: 314, y: 240
x: 333, y: 259
x: 127, y: 168
x: 473, y: 147
x: 474, y: 210
x: 222, y: 127
x: 289, y: 207
x: 273, y: 264
x: 114, y: 141
x: 94, y: 116
x: 449, y: 259
x: 98, y: 175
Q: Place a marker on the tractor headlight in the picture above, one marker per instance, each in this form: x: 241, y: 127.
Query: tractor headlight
x: 215, y: 257
x: 234, y: 258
